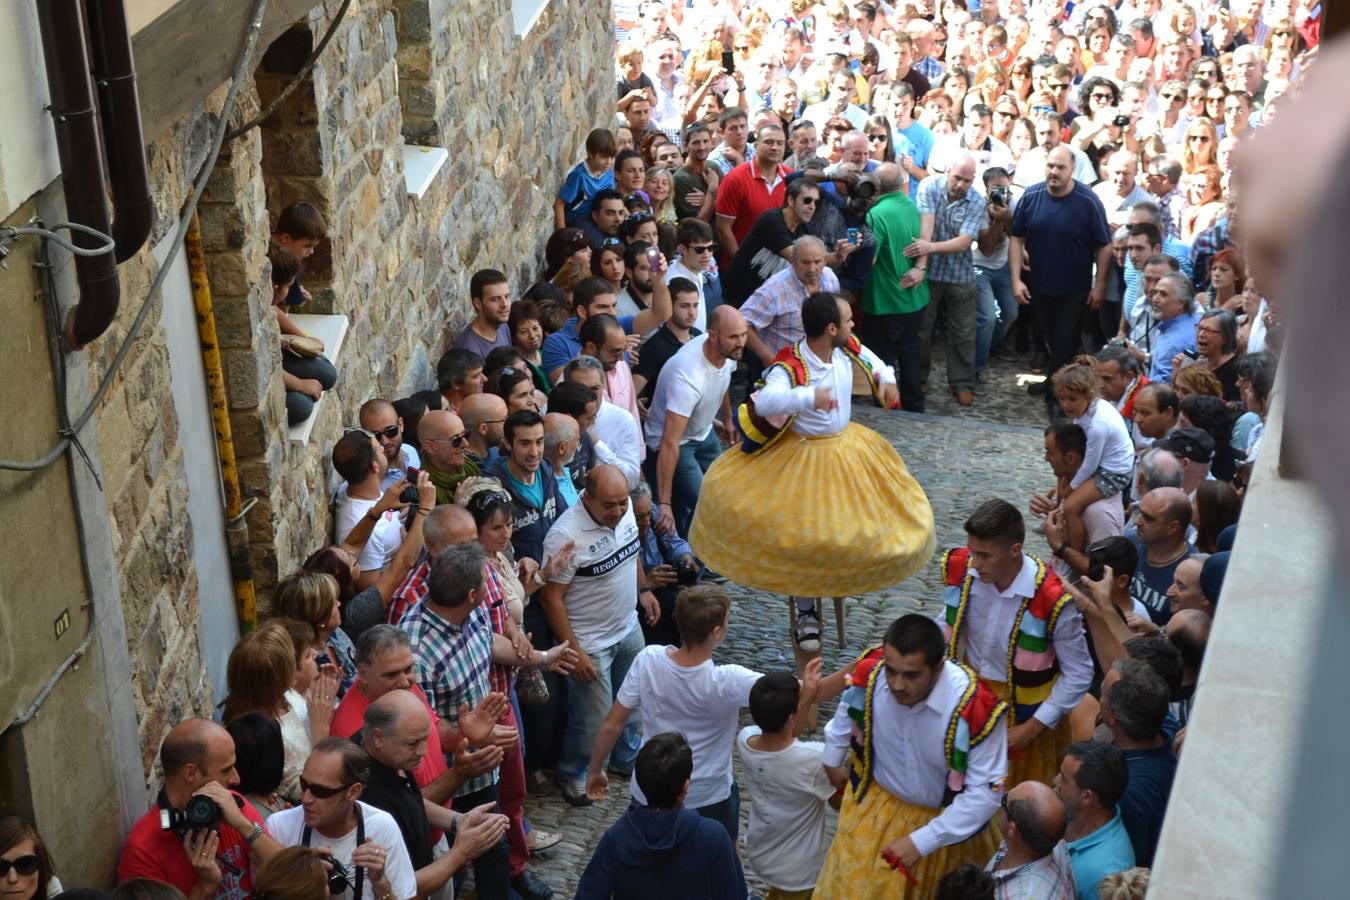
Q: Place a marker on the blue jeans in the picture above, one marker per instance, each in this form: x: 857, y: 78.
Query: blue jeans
x: 695, y: 458
x: 727, y: 812
x: 996, y: 313
x: 588, y: 704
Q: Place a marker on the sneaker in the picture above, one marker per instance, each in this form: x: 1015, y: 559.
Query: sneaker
x: 573, y: 793
x: 529, y: 887
x: 807, y: 632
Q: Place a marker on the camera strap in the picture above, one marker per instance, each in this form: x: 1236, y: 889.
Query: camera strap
x: 360, y: 881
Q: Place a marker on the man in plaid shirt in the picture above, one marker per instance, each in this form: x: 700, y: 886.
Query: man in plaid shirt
x: 452, y: 641
x: 1032, y: 863
x: 951, y: 218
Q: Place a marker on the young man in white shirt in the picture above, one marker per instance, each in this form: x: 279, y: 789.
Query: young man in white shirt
x: 361, y: 462
x: 680, y: 689
x: 591, y: 603
x: 365, y: 840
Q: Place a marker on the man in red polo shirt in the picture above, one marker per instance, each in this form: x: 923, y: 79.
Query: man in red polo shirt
x: 198, y: 759
x: 752, y: 188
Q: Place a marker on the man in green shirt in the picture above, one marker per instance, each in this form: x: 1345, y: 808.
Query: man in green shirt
x: 896, y: 292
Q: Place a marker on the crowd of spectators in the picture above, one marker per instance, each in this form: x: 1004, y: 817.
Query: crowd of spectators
x: 508, y: 605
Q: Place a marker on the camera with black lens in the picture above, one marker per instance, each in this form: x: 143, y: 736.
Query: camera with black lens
x: 999, y: 195
x: 338, y: 882
x: 862, y: 194
x: 686, y: 572
x: 1120, y: 121
x: 201, y: 812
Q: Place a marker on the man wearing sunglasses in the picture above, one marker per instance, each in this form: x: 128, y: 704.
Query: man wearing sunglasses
x: 198, y: 759
x: 380, y: 419
x: 767, y: 249
x: 365, y: 841
x: 445, y: 446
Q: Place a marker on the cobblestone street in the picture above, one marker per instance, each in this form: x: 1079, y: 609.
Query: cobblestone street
x: 961, y: 456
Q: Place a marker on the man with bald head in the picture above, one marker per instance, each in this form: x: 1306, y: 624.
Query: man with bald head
x: 445, y: 451
x: 447, y: 524
x: 1188, y: 630
x: 896, y: 292
x: 198, y: 758
x: 592, y: 603
x: 690, y: 395
x: 1161, y: 533
x: 1059, y: 233
x: 1032, y: 863
x: 380, y: 419
x: 396, y: 732
x: 774, y: 312
x: 483, y: 415
x: 1120, y: 190
x: 951, y: 218
x: 561, y: 438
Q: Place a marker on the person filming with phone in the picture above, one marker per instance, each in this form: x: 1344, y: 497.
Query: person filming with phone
x: 200, y: 836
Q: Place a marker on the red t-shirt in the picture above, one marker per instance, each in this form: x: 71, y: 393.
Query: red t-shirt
x: 743, y: 195
x: 350, y: 718
x: 153, y: 852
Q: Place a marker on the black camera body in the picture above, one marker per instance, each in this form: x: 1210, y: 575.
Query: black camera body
x: 862, y: 194
x: 1121, y: 121
x: 410, y: 494
x: 999, y: 195
x: 200, y: 813
x: 686, y: 573
x: 338, y: 882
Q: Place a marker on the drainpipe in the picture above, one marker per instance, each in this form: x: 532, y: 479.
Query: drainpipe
x: 82, y: 172
x: 236, y: 529
x: 120, y: 111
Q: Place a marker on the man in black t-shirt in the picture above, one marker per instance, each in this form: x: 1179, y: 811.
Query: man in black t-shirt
x: 395, y: 736
x: 767, y: 249
x: 671, y: 336
x: 1161, y: 525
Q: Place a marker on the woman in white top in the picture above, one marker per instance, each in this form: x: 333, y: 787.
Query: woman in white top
x: 1108, y: 462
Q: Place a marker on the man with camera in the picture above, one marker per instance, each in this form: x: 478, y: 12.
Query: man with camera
x: 366, y: 855
x: 996, y: 308
x: 670, y: 565
x: 200, y: 837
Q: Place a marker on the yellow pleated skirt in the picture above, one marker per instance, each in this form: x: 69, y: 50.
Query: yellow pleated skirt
x: 831, y: 516
x: 854, y: 867
x: 1040, y: 761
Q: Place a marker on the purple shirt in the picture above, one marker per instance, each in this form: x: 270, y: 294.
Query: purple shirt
x: 469, y: 340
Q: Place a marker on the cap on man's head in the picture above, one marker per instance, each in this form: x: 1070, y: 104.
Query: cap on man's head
x: 1188, y: 443
x: 1212, y: 575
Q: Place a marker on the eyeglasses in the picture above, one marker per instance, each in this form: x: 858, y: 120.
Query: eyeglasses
x: 1003, y: 802
x: 389, y: 434
x: 1216, y: 98
x: 876, y: 138
x: 703, y: 248
x: 1173, y: 98
x: 1007, y: 113
x: 320, y: 791
x: 1101, y: 95
x: 1058, y: 86
x: 457, y: 441
x: 1202, y: 138
x: 808, y: 201
x: 24, y: 865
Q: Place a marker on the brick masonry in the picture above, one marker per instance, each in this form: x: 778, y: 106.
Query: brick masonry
x: 513, y: 113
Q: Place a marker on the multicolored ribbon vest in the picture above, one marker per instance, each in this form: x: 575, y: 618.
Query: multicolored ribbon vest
x: 1032, y: 668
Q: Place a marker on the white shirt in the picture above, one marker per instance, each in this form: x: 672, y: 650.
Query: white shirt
x: 785, y: 844
x: 1256, y: 337
x: 615, y: 430
x: 910, y: 759
x: 779, y: 398
x: 385, y: 538
x: 1109, y: 445
x: 288, y: 827
x: 1118, y: 207
x: 601, y: 597
x: 947, y: 149
x: 1031, y: 167
x: 990, y: 623
x: 678, y: 269
x: 407, y: 456
x: 297, y: 743
x: 690, y: 386
x: 703, y: 703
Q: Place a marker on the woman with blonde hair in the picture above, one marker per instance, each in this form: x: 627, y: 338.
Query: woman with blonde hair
x: 991, y: 80
x: 295, y: 873
x: 1201, y: 147
x: 1132, y: 884
x: 660, y: 188
x: 1203, y: 190
x: 1195, y: 379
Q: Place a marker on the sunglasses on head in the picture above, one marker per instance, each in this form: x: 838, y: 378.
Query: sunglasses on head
x: 319, y: 791
x: 24, y: 865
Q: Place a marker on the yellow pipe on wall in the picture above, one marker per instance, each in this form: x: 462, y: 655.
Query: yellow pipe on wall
x: 241, y: 563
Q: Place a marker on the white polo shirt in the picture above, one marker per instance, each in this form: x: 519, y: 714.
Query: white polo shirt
x: 601, y: 597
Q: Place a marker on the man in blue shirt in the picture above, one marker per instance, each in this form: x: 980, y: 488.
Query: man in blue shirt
x: 1091, y: 779
x: 1174, y: 331
x: 591, y: 297
x: 1134, y: 705
x: 1059, y: 233
x: 914, y: 141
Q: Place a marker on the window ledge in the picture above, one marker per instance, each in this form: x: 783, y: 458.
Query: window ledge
x: 420, y: 165
x: 524, y: 13
x: 332, y: 330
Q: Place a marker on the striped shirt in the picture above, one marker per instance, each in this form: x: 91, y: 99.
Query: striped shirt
x: 775, y: 310
x: 1047, y: 878
x: 452, y: 667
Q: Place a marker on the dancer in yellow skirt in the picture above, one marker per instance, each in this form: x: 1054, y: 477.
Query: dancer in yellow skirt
x: 926, y: 751
x: 814, y: 505
x: 1009, y: 618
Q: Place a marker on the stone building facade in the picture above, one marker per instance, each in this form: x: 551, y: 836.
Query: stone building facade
x: 512, y: 111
